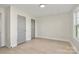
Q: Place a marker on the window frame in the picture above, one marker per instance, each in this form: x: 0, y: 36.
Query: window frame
x: 75, y: 24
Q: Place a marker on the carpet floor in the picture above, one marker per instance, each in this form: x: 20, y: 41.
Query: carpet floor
x: 40, y: 46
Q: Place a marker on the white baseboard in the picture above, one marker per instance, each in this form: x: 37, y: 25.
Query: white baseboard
x: 74, y: 47
x: 59, y: 39
x: 28, y: 40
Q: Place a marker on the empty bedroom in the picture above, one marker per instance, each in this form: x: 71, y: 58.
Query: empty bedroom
x: 39, y: 28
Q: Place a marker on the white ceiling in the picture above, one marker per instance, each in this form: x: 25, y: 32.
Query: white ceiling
x: 50, y: 9
x: 4, y: 5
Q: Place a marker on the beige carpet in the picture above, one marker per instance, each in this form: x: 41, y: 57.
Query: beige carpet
x: 40, y: 46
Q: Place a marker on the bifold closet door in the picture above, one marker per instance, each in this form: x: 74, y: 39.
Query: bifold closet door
x: 21, y: 29
x: 32, y: 28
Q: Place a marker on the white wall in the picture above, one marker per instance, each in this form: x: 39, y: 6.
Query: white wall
x: 2, y: 27
x: 7, y: 26
x: 55, y: 27
x: 13, y: 25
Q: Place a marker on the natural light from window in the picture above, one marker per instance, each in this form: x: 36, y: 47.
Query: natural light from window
x: 77, y: 23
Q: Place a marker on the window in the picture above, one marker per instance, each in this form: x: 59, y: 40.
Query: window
x: 77, y: 24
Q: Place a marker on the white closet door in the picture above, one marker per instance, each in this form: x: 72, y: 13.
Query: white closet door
x: 21, y: 29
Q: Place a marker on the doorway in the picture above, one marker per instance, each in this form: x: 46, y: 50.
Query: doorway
x: 32, y: 28
x: 21, y: 29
